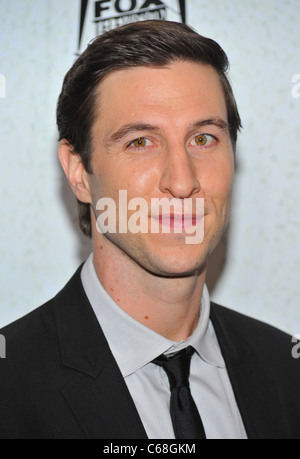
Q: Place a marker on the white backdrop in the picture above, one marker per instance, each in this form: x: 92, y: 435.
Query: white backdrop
x: 40, y: 245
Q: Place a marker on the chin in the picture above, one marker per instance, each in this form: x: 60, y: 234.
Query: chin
x: 164, y: 256
x: 165, y: 270
x: 176, y: 263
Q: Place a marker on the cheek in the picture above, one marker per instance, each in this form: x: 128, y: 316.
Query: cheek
x: 139, y: 180
x: 218, y: 179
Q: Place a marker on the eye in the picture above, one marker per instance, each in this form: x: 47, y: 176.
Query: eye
x: 202, y: 140
x: 141, y: 142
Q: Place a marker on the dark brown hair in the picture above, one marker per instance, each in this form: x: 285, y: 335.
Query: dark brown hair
x: 148, y: 43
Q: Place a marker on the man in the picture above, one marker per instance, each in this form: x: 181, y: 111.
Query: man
x: 147, y: 110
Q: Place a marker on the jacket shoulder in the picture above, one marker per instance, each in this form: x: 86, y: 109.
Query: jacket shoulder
x: 40, y: 319
x: 270, y: 346
x: 248, y: 324
x: 35, y: 327
x: 264, y: 373
x: 32, y: 375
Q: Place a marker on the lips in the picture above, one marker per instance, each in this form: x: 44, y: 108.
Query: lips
x: 178, y: 222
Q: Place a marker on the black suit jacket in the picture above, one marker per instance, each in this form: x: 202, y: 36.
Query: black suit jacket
x: 60, y: 379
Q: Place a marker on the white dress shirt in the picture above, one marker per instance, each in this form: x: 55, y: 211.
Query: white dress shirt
x: 134, y: 346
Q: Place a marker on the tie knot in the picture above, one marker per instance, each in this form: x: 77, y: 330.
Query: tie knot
x: 177, y: 367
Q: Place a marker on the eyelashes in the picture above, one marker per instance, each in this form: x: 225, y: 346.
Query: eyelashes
x: 140, y: 142
x: 200, y: 140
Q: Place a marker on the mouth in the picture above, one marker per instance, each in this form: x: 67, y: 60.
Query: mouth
x: 178, y: 222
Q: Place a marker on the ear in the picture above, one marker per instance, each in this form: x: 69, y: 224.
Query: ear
x: 75, y: 171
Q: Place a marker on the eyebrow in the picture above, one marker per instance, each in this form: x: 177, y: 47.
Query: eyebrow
x: 135, y: 127
x: 216, y: 121
x: 128, y: 129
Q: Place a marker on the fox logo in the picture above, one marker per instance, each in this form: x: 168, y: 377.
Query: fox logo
x: 127, y: 11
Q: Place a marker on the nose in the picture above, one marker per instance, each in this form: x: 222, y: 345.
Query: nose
x: 179, y: 174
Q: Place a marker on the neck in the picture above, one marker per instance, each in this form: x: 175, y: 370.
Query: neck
x: 168, y: 305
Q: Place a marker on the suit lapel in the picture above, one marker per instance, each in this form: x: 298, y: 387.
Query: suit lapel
x: 94, y: 387
x: 254, y: 388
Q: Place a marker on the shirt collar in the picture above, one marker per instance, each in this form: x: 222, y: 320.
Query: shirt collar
x: 135, y: 345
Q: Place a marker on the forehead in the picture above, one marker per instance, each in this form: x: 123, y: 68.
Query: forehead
x: 182, y: 89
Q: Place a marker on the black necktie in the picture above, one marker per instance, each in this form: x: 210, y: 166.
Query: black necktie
x: 186, y: 420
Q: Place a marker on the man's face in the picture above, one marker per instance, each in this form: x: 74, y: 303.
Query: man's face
x: 162, y: 133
